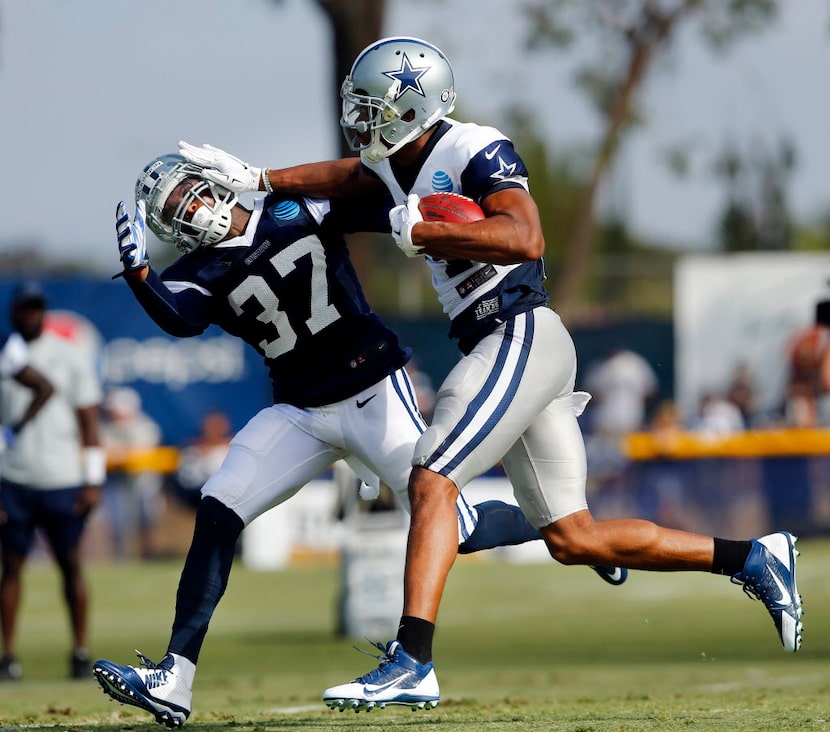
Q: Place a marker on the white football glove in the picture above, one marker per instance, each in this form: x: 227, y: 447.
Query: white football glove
x: 222, y: 168
x: 402, y: 218
x: 132, y: 240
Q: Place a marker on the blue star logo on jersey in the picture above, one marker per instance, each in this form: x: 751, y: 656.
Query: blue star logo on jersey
x: 505, y: 171
x: 409, y: 77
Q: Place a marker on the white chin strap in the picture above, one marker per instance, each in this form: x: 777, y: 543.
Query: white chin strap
x: 376, y: 152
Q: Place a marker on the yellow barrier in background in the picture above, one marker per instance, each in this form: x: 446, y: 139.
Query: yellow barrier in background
x: 754, y: 444
x: 155, y: 460
x: 636, y: 446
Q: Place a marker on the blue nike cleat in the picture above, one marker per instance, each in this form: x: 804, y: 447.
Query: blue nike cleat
x: 399, y: 679
x: 612, y: 575
x: 157, y: 688
x: 769, y: 576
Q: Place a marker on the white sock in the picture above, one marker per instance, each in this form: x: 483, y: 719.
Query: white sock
x: 185, y: 669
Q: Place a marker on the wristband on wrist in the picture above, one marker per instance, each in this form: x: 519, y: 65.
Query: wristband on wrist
x: 94, y: 465
x: 266, y: 182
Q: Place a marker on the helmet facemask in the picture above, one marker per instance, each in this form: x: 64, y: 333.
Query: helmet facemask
x: 170, y: 185
x: 208, y: 224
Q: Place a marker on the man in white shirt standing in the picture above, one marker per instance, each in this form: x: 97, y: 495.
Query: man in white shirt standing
x: 14, y: 364
x: 623, y: 384
x: 50, y: 475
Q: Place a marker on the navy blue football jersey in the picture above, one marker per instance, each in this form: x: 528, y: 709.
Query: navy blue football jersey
x: 286, y: 287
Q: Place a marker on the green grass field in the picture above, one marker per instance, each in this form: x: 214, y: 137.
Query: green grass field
x: 531, y: 647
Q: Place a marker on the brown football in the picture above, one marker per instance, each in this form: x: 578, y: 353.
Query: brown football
x: 452, y: 208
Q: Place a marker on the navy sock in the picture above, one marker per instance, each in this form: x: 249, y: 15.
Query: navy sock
x: 204, y: 577
x: 415, y: 635
x: 499, y: 524
x: 730, y: 556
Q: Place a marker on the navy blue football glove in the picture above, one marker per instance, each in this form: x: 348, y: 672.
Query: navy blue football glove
x: 132, y: 240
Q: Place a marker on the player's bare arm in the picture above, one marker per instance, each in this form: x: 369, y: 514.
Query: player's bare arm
x: 41, y: 387
x: 325, y: 179
x: 328, y: 179
x: 94, y: 459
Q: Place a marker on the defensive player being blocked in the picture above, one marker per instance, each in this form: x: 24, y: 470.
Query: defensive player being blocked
x: 510, y: 396
x: 279, y: 277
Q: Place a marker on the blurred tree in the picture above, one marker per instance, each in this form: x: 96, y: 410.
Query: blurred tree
x: 757, y: 215
x: 354, y: 25
x: 625, y: 275
x: 630, y: 35
x: 556, y: 178
x: 815, y: 237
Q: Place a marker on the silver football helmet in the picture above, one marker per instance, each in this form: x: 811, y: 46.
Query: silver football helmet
x: 169, y: 186
x: 397, y: 89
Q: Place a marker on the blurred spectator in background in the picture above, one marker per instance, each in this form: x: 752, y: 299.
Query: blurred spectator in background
x: 666, y: 425
x: 660, y: 487
x: 622, y: 385
x: 807, y: 360
x: 132, y: 497
x: 51, y: 473
x: 14, y: 364
x: 717, y: 417
x: 202, y: 458
x: 741, y: 392
x: 424, y: 390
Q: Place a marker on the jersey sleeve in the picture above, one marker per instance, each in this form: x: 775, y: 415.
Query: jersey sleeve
x: 178, y: 308
x: 496, y: 167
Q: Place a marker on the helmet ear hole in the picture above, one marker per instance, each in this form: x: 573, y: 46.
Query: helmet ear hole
x: 408, y: 116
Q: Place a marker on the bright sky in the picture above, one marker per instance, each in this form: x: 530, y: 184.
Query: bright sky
x: 92, y: 90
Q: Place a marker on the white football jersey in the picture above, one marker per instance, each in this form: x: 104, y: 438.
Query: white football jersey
x: 473, y: 161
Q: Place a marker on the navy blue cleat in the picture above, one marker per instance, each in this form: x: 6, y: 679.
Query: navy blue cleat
x: 157, y: 688
x: 399, y: 679
x: 769, y: 576
x: 612, y: 575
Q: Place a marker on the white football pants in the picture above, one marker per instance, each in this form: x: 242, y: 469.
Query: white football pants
x: 284, y: 447
x: 512, y: 399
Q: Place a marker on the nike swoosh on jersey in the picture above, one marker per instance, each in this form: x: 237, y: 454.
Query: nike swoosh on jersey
x: 361, y: 404
x: 490, y: 155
